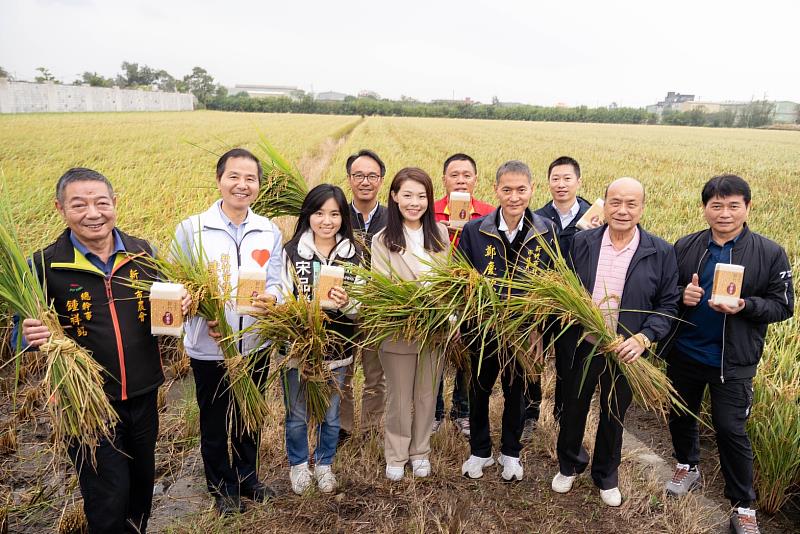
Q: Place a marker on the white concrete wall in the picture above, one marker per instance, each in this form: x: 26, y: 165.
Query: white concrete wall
x: 25, y: 97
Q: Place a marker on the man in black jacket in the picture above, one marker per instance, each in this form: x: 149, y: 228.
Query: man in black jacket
x: 365, y: 172
x: 565, y: 210
x: 87, y: 274
x: 719, y: 345
x: 628, y: 271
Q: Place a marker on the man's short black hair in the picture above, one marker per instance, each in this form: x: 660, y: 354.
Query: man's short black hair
x: 237, y: 153
x: 459, y: 157
x: 365, y: 153
x: 565, y: 160
x: 726, y: 185
x: 80, y: 174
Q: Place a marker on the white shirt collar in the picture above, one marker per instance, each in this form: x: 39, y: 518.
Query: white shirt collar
x: 368, y: 218
x: 503, y: 226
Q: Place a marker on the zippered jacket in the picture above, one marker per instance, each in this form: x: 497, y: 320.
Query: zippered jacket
x: 766, y: 289
x: 483, y: 247
x: 260, y: 248
x: 650, y: 296
x: 104, y: 314
x: 565, y: 235
x: 302, y: 263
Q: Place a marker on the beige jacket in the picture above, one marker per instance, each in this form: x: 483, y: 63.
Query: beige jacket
x: 405, y: 266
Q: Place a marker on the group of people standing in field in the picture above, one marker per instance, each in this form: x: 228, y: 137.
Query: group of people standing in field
x: 641, y: 281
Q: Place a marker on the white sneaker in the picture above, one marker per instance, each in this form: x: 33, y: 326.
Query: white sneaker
x: 512, y: 469
x: 395, y: 473
x: 421, y: 468
x: 562, y: 483
x: 437, y: 424
x: 300, y: 476
x: 473, y: 467
x: 326, y: 480
x: 463, y: 425
x: 612, y: 497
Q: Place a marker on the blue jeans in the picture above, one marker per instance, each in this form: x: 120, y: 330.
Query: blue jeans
x: 297, y: 420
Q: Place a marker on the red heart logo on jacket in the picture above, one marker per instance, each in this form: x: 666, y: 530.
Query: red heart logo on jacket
x: 261, y: 256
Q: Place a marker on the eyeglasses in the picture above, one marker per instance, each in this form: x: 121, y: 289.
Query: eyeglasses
x: 371, y: 178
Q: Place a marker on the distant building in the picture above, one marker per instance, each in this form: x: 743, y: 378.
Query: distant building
x: 267, y: 91
x: 670, y: 103
x: 330, y: 96
x: 786, y: 112
x: 365, y: 93
x: 467, y: 101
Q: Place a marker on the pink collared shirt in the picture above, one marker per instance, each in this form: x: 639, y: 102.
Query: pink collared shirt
x: 609, y: 282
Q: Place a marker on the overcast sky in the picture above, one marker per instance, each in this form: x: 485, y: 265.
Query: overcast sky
x: 560, y: 51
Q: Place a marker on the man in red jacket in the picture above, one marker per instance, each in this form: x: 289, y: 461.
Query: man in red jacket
x: 460, y: 174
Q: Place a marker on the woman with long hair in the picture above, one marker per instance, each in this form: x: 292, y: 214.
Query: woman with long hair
x: 323, y: 236
x: 404, y: 249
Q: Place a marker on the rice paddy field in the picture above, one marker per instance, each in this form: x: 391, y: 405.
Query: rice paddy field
x: 162, y: 167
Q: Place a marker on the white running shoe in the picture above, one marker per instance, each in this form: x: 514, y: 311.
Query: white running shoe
x: 300, y: 476
x: 512, y: 469
x: 421, y: 468
x: 395, y: 473
x: 612, y: 497
x: 562, y: 483
x: 326, y: 480
x: 473, y: 467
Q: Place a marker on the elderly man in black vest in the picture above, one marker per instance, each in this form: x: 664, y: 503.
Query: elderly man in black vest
x: 87, y: 273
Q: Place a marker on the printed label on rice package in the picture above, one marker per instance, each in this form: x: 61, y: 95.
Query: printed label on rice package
x: 329, y: 276
x: 166, y: 316
x: 727, y: 287
x: 460, y: 208
x: 252, y: 282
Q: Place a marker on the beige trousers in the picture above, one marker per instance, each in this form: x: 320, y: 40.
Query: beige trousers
x: 412, y: 381
x: 372, y: 398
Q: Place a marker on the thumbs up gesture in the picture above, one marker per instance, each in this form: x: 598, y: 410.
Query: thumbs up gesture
x: 693, y: 292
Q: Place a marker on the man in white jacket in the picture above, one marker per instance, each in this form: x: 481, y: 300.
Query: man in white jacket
x: 233, y: 238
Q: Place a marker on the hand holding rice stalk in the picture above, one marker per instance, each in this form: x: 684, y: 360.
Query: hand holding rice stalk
x: 283, y: 187
x: 79, y: 408
x: 201, y: 281
x: 558, y: 292
x: 299, y: 326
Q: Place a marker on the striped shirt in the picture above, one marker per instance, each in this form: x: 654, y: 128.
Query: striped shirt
x: 609, y: 282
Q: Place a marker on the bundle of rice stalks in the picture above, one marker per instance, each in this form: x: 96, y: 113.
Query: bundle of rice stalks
x: 79, y: 408
x: 8, y: 437
x: 556, y: 295
x: 73, y: 520
x: 774, y: 424
x: 209, y: 301
x: 283, y: 188
x: 297, y: 330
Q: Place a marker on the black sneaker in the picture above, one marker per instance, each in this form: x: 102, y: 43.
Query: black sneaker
x: 227, y: 505
x: 743, y: 521
x: 260, y: 492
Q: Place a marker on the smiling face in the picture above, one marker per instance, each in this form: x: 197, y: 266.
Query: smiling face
x: 726, y: 215
x: 327, y: 220
x: 89, y: 210
x: 513, y: 193
x: 564, y: 183
x: 238, y: 186
x: 459, y: 176
x: 624, y: 204
x: 412, y: 200
x: 365, y: 179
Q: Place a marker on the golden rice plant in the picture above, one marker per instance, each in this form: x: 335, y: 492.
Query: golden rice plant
x: 283, y: 188
x: 79, y: 409
x: 557, y: 295
x: 774, y: 424
x: 200, y: 278
x: 298, y: 331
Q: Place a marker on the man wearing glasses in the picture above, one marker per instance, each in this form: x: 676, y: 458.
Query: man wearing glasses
x: 365, y: 172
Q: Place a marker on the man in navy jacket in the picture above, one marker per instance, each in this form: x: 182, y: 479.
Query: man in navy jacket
x: 628, y: 271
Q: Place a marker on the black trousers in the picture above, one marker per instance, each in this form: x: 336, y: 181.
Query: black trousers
x: 226, y: 474
x: 513, y: 382
x: 118, y: 491
x: 730, y: 408
x: 533, y: 390
x: 615, y: 397
x: 460, y: 406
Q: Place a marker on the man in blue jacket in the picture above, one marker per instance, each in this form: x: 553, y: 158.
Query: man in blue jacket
x: 719, y: 346
x: 628, y: 271
x: 503, y: 244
